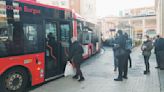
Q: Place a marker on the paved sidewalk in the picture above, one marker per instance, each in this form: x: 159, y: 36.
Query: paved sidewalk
x: 99, y: 75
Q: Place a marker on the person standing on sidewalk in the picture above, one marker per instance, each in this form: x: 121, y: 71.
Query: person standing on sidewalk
x: 114, y: 56
x: 128, y: 48
x: 76, y: 58
x: 121, y: 56
x: 159, y: 51
x: 156, y: 50
x: 146, y: 52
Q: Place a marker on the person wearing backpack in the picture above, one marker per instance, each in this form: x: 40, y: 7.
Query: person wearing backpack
x: 75, y: 56
x: 128, y: 48
x: 146, y: 48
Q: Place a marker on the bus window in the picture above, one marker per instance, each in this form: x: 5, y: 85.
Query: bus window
x: 31, y: 41
x: 86, y: 36
x: 80, y: 31
x: 4, y: 38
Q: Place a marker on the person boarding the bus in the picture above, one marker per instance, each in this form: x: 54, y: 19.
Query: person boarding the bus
x: 76, y: 58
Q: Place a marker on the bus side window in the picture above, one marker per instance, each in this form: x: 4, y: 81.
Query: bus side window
x: 30, y: 38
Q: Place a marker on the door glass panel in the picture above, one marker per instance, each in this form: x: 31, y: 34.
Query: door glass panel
x: 52, y: 53
x: 51, y: 38
x: 65, y: 32
x: 51, y: 29
x: 65, y: 42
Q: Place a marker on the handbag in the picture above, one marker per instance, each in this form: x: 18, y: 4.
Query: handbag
x: 69, y: 70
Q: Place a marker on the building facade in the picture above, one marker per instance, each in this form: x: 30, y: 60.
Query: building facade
x: 88, y: 10
x: 140, y: 22
x: 75, y: 5
x: 159, y: 6
x: 136, y: 22
x: 108, y: 27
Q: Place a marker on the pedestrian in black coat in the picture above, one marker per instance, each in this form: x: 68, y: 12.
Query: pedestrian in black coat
x: 121, y: 55
x: 114, y: 56
x: 159, y: 51
x: 75, y: 56
x: 128, y: 48
x: 156, y: 50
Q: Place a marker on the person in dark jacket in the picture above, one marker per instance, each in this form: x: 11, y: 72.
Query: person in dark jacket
x: 159, y: 51
x: 128, y: 48
x: 53, y: 43
x: 121, y: 56
x: 146, y: 52
x: 156, y: 50
x: 76, y: 52
x: 115, y: 58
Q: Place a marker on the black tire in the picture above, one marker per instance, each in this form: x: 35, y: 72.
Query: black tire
x: 14, y: 80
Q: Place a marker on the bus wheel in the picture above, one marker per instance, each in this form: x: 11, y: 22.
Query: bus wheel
x: 14, y: 80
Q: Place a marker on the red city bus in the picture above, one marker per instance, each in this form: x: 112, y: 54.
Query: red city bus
x: 34, y: 42
x: 88, y: 34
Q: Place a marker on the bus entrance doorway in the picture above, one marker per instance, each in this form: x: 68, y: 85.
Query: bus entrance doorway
x: 52, y: 65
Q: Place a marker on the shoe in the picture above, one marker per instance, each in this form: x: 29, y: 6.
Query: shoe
x: 157, y: 67
x: 125, y: 77
x: 146, y: 72
x: 118, y: 79
x: 75, y: 77
x: 81, y: 79
x: 161, y: 68
x: 130, y: 66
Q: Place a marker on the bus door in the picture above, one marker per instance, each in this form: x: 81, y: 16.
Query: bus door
x: 65, y: 36
x: 52, y: 64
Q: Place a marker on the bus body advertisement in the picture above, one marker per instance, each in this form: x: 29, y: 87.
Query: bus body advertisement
x: 34, y: 42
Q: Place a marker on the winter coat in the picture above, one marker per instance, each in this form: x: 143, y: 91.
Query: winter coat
x: 76, y: 51
x: 159, y: 44
x: 119, y: 47
x: 146, y: 48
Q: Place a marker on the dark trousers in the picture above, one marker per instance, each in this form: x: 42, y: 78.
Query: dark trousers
x: 146, y: 59
x: 122, y: 66
x: 161, y: 59
x: 78, y: 71
x: 158, y: 59
x: 115, y: 61
x: 130, y: 60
